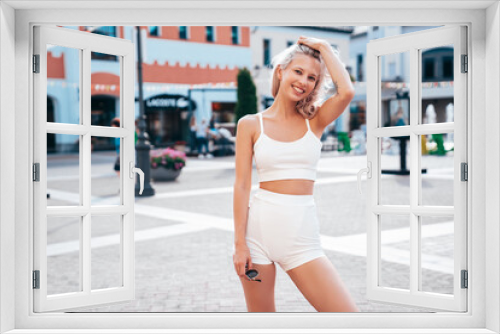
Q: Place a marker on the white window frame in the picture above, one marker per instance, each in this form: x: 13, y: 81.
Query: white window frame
x: 483, y: 136
x: 124, y: 50
x: 415, y: 210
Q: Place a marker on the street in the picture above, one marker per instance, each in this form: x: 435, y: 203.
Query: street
x: 184, y: 235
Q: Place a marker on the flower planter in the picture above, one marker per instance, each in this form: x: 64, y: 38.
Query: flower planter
x: 166, y: 164
x: 164, y: 174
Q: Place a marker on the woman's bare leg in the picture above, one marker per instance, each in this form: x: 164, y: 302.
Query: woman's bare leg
x: 259, y: 296
x: 321, y: 285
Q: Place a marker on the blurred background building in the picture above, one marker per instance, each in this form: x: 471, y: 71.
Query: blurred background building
x: 437, y: 74
x: 181, y: 66
x: 192, y: 70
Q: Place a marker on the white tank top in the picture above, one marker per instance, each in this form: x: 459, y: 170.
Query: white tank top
x: 278, y: 160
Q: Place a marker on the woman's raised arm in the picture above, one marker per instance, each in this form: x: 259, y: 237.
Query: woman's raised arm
x: 332, y: 108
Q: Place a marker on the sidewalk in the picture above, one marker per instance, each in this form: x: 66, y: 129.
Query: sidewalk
x: 184, y: 237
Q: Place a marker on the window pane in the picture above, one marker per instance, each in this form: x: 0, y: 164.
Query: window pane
x: 395, y: 89
x: 183, y: 32
x: 63, y: 169
x: 437, y: 85
x: 63, y: 255
x: 448, y: 67
x: 437, y: 161
x: 105, y: 88
x: 395, y: 251
x: 106, y: 171
x: 429, y: 68
x: 267, y: 52
x: 154, y: 31
x: 103, y: 30
x: 210, y: 34
x: 63, y: 84
x: 395, y: 167
x: 106, y: 258
x: 360, y: 67
x: 234, y: 35
x: 437, y: 244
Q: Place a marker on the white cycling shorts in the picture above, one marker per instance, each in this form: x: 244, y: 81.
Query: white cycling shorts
x: 283, y: 228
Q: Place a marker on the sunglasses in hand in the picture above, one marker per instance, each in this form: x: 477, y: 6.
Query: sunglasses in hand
x: 252, y: 274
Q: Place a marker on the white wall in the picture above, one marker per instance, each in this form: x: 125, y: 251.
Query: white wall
x: 7, y: 160
x: 492, y: 162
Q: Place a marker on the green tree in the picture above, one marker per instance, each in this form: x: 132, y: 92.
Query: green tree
x: 247, y: 96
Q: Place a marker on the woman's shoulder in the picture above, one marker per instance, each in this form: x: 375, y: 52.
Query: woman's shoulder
x: 249, y: 124
x: 249, y: 120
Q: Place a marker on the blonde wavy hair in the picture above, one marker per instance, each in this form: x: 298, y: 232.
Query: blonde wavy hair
x: 307, y: 107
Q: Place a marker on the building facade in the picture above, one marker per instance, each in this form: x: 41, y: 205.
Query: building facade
x: 437, y: 78
x: 187, y: 70
x: 191, y: 71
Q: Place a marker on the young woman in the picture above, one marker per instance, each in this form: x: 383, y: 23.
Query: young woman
x: 279, y: 223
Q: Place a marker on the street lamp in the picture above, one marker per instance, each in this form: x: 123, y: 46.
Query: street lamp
x: 403, y: 102
x: 403, y: 107
x: 143, y: 145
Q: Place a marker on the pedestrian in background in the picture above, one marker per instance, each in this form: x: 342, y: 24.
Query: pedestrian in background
x: 214, y: 136
x: 400, y: 119
x: 115, y: 122
x: 212, y: 122
x: 279, y: 224
x: 202, y: 133
x: 192, y: 134
x: 213, y: 129
x: 225, y: 138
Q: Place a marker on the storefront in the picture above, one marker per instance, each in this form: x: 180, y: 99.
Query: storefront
x: 223, y: 114
x: 167, y: 118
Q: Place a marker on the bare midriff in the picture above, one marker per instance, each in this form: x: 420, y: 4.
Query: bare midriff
x: 290, y: 187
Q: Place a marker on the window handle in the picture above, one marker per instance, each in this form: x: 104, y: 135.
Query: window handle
x: 368, y: 172
x: 134, y: 170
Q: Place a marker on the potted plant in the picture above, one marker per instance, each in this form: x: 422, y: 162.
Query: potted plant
x: 166, y: 163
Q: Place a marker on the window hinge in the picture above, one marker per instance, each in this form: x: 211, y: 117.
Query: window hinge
x: 465, y: 279
x: 465, y: 64
x: 36, y: 279
x: 464, y: 171
x: 36, y: 63
x: 36, y: 172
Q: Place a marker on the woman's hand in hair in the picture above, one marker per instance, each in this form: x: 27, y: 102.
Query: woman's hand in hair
x: 314, y: 43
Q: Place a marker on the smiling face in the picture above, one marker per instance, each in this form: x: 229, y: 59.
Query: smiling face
x: 299, y: 78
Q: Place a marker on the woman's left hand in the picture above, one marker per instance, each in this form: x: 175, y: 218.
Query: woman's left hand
x: 313, y: 43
